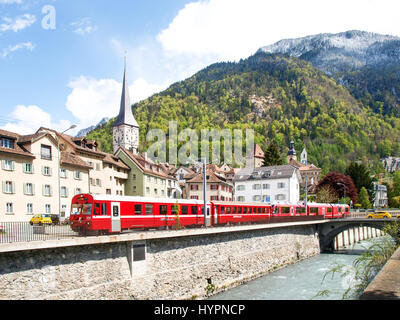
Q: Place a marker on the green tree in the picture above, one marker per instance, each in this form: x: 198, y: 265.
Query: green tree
x: 363, y: 199
x: 272, y: 156
x: 361, y: 176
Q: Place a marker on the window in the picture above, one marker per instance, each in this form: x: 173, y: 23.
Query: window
x: 104, y: 209
x: 185, y: 209
x: 314, y: 210
x: 256, y: 186
x: 63, y: 173
x: 147, y: 190
x: 47, y: 208
x: 300, y: 210
x: 240, y: 187
x: 240, y: 198
x: 8, y: 165
x: 77, y: 175
x: 257, y: 198
x: 8, y: 187
x: 234, y: 209
x: 285, y: 209
x: 245, y: 210
x: 228, y: 210
x: 28, y: 189
x: 194, y: 210
x: 149, y: 209
x: 266, y: 186
x: 280, y: 197
x: 47, y: 190
x: 281, y: 185
x: 163, y: 209
x: 77, y: 191
x: 239, y: 209
x: 108, y: 191
x: 134, y: 177
x: 174, y: 209
x: 138, y: 209
x: 214, y: 187
x: 7, y: 143
x: 29, y: 208
x: 27, y: 168
x: 46, y: 171
x: 9, y: 208
x: 64, y: 192
x: 45, y: 152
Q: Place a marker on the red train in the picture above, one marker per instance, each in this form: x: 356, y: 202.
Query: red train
x: 104, y: 214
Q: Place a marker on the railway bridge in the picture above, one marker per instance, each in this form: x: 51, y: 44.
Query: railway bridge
x: 331, y: 228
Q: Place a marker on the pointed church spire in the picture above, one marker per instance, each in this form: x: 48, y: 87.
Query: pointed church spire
x: 125, y: 112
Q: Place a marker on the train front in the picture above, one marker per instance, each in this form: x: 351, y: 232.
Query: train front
x: 81, y: 213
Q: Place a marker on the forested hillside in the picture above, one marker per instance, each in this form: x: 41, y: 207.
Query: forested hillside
x: 282, y: 98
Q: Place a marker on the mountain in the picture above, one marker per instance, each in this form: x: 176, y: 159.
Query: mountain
x: 84, y: 132
x: 368, y: 64
x: 282, y: 98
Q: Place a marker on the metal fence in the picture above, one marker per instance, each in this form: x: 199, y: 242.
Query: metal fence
x: 24, y: 232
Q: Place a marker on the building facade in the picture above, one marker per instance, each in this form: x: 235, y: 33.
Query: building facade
x: 268, y: 184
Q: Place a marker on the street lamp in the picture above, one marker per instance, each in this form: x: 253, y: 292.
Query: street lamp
x: 59, y: 167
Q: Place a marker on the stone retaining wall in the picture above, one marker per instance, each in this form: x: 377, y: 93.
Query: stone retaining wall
x: 174, y: 268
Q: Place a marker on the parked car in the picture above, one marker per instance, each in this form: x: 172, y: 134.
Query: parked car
x: 41, y: 219
x: 379, y: 215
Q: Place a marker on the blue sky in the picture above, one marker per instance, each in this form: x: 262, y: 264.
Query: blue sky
x: 72, y: 74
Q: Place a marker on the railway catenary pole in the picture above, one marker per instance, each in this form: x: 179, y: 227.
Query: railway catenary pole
x: 305, y: 196
x: 205, y: 190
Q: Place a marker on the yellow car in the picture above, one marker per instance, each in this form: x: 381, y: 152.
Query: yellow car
x: 40, y: 219
x: 379, y: 215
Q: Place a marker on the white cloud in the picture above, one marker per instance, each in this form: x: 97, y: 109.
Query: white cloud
x: 83, y: 26
x: 18, y: 23
x: 93, y: 99
x: 28, y: 119
x: 234, y: 29
x: 11, y: 48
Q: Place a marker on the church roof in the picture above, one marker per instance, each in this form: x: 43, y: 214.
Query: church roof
x: 125, y: 112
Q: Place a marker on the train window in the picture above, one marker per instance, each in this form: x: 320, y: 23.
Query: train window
x: 347, y: 209
x: 163, y: 209
x: 104, y: 209
x: 149, y: 209
x: 245, y: 210
x: 314, y: 210
x: 185, y: 209
x: 222, y: 210
x: 250, y: 210
x: 228, y: 210
x: 138, y: 209
x: 194, y: 209
x: 175, y: 209
x: 239, y: 209
x: 233, y: 209
x: 301, y: 210
x: 329, y: 209
x: 97, y: 209
x: 264, y: 210
x: 285, y: 209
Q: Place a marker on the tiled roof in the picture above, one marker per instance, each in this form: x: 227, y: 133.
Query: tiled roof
x: 19, y: 149
x: 271, y: 172
x: 141, y: 162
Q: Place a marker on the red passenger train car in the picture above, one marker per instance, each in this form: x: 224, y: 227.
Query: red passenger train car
x: 103, y: 214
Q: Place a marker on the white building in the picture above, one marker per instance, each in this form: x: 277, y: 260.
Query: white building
x: 380, y: 196
x: 268, y: 184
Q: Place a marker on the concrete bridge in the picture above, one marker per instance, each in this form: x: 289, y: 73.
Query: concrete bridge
x: 332, y: 228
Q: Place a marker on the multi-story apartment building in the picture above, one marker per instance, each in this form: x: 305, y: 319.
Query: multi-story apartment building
x: 218, y: 187
x: 30, y: 179
x: 268, y: 184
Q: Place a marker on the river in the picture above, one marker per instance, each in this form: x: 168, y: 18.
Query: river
x: 301, y: 281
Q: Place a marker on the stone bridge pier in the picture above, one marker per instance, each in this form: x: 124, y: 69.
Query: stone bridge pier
x: 330, y: 230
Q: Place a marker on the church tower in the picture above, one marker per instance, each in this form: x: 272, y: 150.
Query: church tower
x: 292, y: 153
x: 125, y: 127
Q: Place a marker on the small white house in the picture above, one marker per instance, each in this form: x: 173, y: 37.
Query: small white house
x: 268, y: 184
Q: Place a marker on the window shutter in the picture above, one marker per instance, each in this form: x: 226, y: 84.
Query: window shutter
x: 43, y: 188
x: 33, y: 188
x: 25, y: 187
x: 12, y: 165
x: 13, y: 187
x: 4, y: 187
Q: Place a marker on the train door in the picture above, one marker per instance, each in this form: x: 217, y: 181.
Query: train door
x: 115, y: 217
x: 323, y: 211
x: 207, y: 218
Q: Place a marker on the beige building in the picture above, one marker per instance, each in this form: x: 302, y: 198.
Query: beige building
x: 218, y: 187
x: 32, y: 182
x: 29, y: 167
